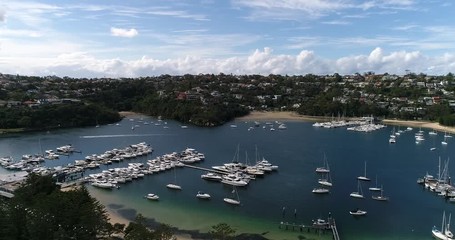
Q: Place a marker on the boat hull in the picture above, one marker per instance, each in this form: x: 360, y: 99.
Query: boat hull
x: 231, y: 201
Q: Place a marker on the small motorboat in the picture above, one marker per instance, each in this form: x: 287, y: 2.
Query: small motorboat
x: 202, y: 195
x: 358, y: 212
x: 152, y: 196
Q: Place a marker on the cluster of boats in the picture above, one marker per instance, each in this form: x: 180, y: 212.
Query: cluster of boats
x: 269, y: 125
x: 29, y: 162
x: 359, y: 193
x: 440, y: 184
x: 239, y: 174
x: 325, y: 180
x: 362, y: 125
x: 112, y: 177
x: 115, y: 155
x: 394, y: 135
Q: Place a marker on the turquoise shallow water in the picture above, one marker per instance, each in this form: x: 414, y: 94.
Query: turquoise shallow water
x: 410, y: 213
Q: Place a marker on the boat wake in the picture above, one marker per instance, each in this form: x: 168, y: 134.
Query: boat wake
x: 123, y: 135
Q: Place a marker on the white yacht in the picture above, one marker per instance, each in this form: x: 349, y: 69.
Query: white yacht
x: 202, y: 195
x: 392, y: 140
x: 358, y: 212
x: 212, y: 177
x: 152, y: 196
x: 320, y: 190
x: 106, y: 185
x: 234, y: 181
x: 174, y: 186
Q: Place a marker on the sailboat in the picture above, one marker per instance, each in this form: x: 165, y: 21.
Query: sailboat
x: 325, y: 168
x: 380, y: 197
x: 376, y: 188
x: 359, y: 193
x: 174, y: 185
x: 364, y: 177
x: 233, y: 201
x: 326, y: 180
x: 445, y: 140
x: 444, y: 233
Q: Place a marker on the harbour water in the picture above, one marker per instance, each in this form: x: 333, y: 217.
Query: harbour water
x: 410, y: 213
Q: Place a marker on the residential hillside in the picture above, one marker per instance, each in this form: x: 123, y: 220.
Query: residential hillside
x: 211, y: 100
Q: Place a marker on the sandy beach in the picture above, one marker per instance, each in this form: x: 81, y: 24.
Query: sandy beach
x: 293, y: 116
x: 114, y: 217
x: 128, y: 114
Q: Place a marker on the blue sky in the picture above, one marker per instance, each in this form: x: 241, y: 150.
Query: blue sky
x: 133, y: 38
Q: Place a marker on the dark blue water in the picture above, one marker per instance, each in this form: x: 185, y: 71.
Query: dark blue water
x: 410, y: 213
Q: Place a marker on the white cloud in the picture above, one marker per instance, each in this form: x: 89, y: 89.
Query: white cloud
x: 82, y: 64
x: 121, y: 32
x: 2, y: 15
x: 292, y: 9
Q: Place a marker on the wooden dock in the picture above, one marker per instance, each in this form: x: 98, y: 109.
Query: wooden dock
x: 205, y: 169
x: 333, y: 226
x: 320, y: 229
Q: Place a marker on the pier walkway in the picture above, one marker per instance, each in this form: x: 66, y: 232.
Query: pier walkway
x: 327, y: 226
x: 205, y: 169
x: 333, y: 226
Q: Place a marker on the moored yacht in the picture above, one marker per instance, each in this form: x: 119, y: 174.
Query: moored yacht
x: 358, y: 212
x: 320, y: 190
x: 212, y: 177
x: 364, y: 177
x: 202, y: 195
x: 152, y: 196
x: 359, y: 193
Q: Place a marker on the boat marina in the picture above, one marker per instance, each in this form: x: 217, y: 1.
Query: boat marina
x: 298, y: 153
x: 364, y: 124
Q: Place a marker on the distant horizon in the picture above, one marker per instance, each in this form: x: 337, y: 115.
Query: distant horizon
x: 139, y: 38
x: 216, y: 74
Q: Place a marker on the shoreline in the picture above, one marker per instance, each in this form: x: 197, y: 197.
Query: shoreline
x: 115, y: 217
x: 293, y: 116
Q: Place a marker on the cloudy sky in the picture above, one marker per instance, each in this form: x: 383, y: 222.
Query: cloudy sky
x: 131, y: 38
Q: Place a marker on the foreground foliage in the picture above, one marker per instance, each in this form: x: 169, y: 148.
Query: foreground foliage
x: 40, y: 210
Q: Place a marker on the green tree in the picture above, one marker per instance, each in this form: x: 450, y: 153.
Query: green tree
x: 222, y: 231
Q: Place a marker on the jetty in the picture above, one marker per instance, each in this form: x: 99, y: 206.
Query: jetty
x: 318, y: 226
x: 205, y: 169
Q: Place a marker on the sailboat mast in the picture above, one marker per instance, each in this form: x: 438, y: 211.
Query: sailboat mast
x: 443, y: 218
x: 448, y: 224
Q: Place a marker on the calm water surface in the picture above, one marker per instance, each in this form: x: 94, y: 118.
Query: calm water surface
x: 410, y: 213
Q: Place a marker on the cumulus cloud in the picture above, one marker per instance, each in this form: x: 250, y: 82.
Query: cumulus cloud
x: 260, y: 61
x: 2, y: 15
x: 121, y: 32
